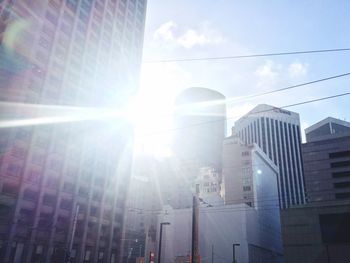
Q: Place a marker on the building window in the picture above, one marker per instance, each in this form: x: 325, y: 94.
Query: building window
x: 339, y: 154
x: 246, y: 188
x: 342, y: 185
x: 341, y: 174
x: 246, y: 153
x: 340, y: 164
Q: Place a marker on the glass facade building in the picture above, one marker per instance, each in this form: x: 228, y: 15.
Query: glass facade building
x: 277, y: 132
x: 63, y: 185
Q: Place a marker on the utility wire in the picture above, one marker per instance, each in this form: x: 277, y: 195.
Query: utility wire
x: 250, y: 113
x: 247, y: 56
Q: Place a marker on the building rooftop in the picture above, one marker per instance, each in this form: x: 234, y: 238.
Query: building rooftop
x: 327, y: 129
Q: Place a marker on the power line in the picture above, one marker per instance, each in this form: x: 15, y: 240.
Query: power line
x: 247, y: 56
x: 256, y: 112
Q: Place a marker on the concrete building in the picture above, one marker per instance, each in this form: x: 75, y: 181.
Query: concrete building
x: 318, y: 233
x: 257, y: 231
x: 208, y: 185
x: 248, y: 175
x: 277, y: 132
x: 326, y: 157
x: 250, y: 216
x: 57, y: 56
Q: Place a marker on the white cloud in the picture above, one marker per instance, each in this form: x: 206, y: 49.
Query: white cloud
x: 297, y: 69
x: 268, y: 73
x: 165, y: 32
x: 169, y: 34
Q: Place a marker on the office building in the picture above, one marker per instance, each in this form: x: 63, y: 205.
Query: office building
x: 248, y: 175
x: 277, y: 132
x: 328, y: 128
x: 319, y: 231
x: 63, y: 186
x: 326, y: 156
x: 200, y: 123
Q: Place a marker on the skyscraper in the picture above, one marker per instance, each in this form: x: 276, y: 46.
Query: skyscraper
x: 200, y: 121
x: 277, y: 132
x: 200, y: 126
x: 62, y: 186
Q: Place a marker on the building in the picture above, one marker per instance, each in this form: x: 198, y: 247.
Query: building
x: 248, y: 175
x: 317, y: 232
x: 326, y: 155
x: 249, y: 217
x: 256, y: 230
x: 55, y: 57
x: 328, y: 128
x: 208, y: 185
x: 277, y: 132
x: 200, y: 121
x: 143, y: 205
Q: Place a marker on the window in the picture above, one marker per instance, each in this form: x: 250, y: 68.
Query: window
x: 66, y: 204
x: 49, y: 199
x: 342, y: 185
x: 68, y: 187
x: 30, y: 195
x: 33, y: 176
x: 94, y: 211
x: 10, y: 189
x: 246, y: 188
x: 13, y: 169
x: 339, y: 154
x: 52, y: 182
x: 342, y: 195
x: 341, y: 174
x: 340, y: 164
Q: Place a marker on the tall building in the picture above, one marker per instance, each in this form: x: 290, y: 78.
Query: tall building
x: 326, y: 156
x: 63, y: 186
x: 200, y: 123
x: 248, y: 175
x: 277, y: 132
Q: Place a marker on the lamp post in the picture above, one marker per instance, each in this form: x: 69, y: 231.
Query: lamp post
x: 160, y: 239
x: 234, y: 252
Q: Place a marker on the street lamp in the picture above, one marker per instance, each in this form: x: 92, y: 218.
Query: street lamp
x: 234, y: 252
x: 160, y: 239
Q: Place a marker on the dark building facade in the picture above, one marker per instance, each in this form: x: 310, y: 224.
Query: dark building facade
x: 320, y: 231
x: 326, y: 157
x: 317, y: 233
x: 63, y: 186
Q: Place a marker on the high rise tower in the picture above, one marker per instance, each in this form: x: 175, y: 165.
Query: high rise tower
x: 200, y: 121
x: 55, y: 57
x: 277, y: 132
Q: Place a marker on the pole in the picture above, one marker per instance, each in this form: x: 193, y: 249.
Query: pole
x: 195, y: 212
x: 193, y: 255
x: 234, y: 252
x: 73, y: 233
x: 160, y: 240
x: 212, y: 253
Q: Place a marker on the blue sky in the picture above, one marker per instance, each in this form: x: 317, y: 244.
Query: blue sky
x: 207, y: 28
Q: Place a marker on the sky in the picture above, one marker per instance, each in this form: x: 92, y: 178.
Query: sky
x: 206, y: 28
